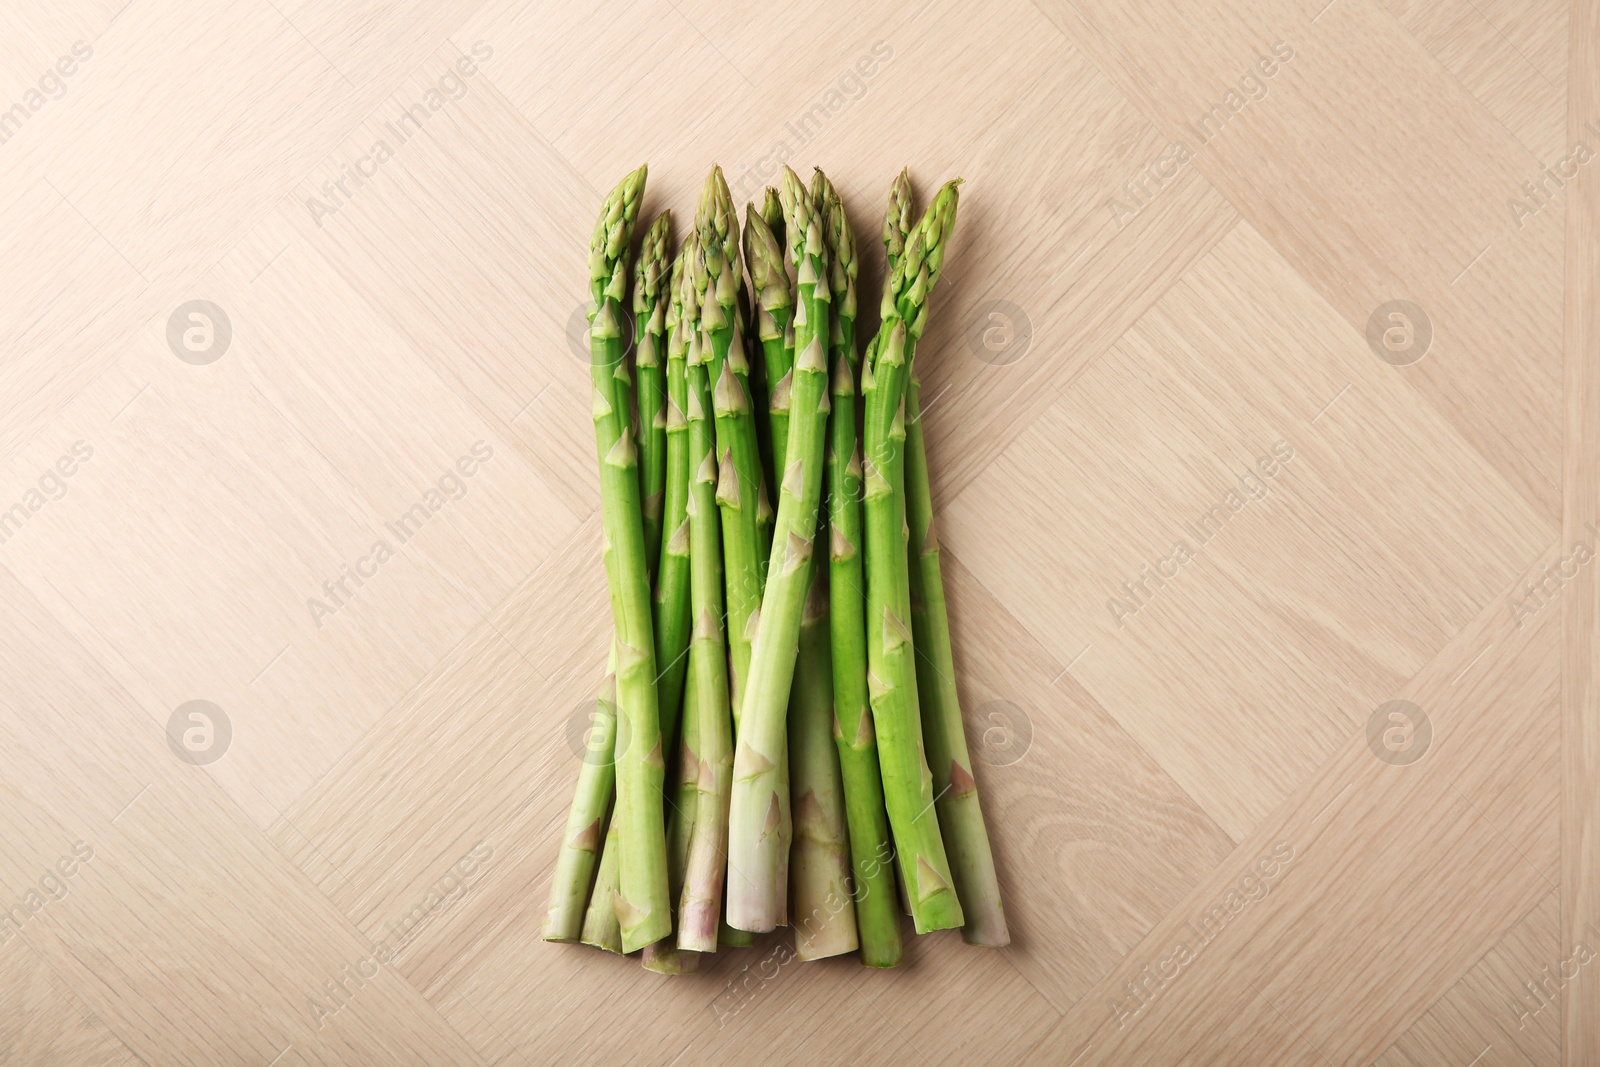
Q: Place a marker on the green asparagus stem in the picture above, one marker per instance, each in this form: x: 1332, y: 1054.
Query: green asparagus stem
x: 642, y: 902
x: 755, y: 866
x: 871, y: 850
x: 649, y: 315
x: 701, y: 904
x: 897, y: 222
x: 821, y: 897
x: 586, y: 820
x: 763, y: 256
x: 960, y: 816
x: 740, y: 489
x: 665, y: 956
x: 575, y: 866
x: 892, y: 680
x: 671, y: 605
x: 600, y: 926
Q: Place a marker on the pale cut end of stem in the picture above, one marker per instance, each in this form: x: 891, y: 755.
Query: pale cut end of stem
x: 663, y: 958
x: 697, y: 925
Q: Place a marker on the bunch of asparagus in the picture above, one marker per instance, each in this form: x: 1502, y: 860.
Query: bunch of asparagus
x: 777, y: 740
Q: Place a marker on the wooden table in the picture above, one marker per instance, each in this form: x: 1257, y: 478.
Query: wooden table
x: 1246, y: 405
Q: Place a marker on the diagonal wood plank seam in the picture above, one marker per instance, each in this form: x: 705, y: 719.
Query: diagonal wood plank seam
x: 1123, y: 71
x: 1307, y: 808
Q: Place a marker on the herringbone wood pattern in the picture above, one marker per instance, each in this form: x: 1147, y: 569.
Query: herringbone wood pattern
x: 1207, y: 511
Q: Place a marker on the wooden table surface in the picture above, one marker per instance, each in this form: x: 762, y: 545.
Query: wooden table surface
x: 1261, y: 402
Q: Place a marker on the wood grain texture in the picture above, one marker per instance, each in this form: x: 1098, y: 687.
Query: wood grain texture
x: 1580, y: 697
x: 367, y: 532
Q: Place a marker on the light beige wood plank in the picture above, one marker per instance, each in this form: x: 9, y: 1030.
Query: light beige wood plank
x: 40, y: 1023
x: 1506, y: 1010
x: 1300, y: 931
x: 183, y: 930
x: 1091, y: 857
x: 1160, y: 431
x: 1529, y: 101
x: 190, y: 185
x: 1580, y: 689
x: 71, y: 302
x: 180, y: 509
x: 1430, y: 227
x: 400, y: 769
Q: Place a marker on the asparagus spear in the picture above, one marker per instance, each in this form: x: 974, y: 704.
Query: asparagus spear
x: 701, y: 903
x: 755, y: 866
x: 586, y: 820
x: 820, y: 874
x: 641, y: 901
x: 960, y: 816
x: 907, y: 783
x: 575, y: 865
x: 672, y: 601
x: 664, y: 956
x: 671, y: 604
x: 897, y: 222
x: 763, y: 256
x: 740, y: 489
x: 649, y: 311
x: 600, y: 926
x: 824, y: 911
x: 877, y: 921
